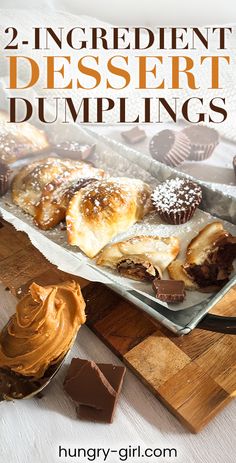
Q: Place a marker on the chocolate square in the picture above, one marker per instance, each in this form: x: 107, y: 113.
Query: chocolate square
x: 87, y: 385
x: 172, y: 291
x: 134, y: 135
x: 95, y: 389
x: 115, y: 376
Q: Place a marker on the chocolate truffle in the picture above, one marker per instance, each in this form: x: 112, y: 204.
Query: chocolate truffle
x: 203, y: 141
x: 74, y: 150
x: 176, y: 200
x: 4, y: 178
x: 170, y: 147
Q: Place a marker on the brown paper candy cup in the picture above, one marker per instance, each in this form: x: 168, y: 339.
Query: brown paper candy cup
x: 203, y: 141
x: 170, y: 147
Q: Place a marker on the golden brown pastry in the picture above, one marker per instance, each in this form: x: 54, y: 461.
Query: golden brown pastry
x: 201, y: 247
x: 99, y: 212
x: 177, y: 272
x: 140, y: 257
x: 43, y: 189
x: 43, y: 328
x: 20, y: 140
x: 210, y: 256
x: 209, y: 259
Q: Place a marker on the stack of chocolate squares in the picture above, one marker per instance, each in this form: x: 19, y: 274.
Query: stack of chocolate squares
x: 94, y: 388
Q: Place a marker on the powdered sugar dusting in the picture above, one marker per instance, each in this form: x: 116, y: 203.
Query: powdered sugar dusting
x: 176, y: 195
x: 17, y: 140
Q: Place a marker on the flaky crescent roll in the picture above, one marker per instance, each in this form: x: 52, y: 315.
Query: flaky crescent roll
x: 177, y: 272
x: 20, y: 140
x: 102, y: 210
x: 140, y: 257
x: 205, y: 243
x: 209, y: 259
x: 210, y: 256
x: 43, y: 188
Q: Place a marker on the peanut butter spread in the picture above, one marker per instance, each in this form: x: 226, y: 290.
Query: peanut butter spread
x: 42, y: 329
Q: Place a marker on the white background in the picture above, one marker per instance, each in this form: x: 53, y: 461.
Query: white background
x: 142, y: 12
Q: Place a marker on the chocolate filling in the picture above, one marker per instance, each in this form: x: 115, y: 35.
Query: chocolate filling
x: 79, y: 185
x: 216, y: 269
x: 225, y: 253
x: 130, y: 269
x: 208, y: 274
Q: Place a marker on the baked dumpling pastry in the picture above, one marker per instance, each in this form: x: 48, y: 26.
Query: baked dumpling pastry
x: 209, y: 259
x: 43, y: 189
x: 176, y: 272
x: 102, y: 210
x: 20, y: 140
x: 210, y: 256
x: 140, y: 257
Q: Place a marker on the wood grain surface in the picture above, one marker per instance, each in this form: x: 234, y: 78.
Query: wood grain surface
x: 193, y: 375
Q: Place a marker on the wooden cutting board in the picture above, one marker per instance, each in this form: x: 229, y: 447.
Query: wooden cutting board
x: 193, y: 375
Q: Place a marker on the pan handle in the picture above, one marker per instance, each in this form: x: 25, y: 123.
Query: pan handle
x: 218, y: 324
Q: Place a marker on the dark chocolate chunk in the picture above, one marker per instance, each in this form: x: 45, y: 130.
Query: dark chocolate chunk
x: 115, y: 376
x: 135, y: 271
x: 216, y: 269
x: 94, y: 388
x: 172, y: 291
x: 208, y: 275
x: 134, y: 135
x: 74, y: 150
x: 86, y: 385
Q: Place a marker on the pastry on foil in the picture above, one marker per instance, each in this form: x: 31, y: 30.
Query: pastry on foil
x: 140, y: 257
x: 20, y: 140
x: 102, y: 210
x: 43, y: 188
x: 177, y: 272
x: 209, y: 259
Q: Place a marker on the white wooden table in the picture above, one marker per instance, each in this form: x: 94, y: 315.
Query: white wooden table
x: 32, y: 430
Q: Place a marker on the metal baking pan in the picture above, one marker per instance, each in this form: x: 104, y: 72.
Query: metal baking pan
x: 214, y: 202
x: 217, y: 204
